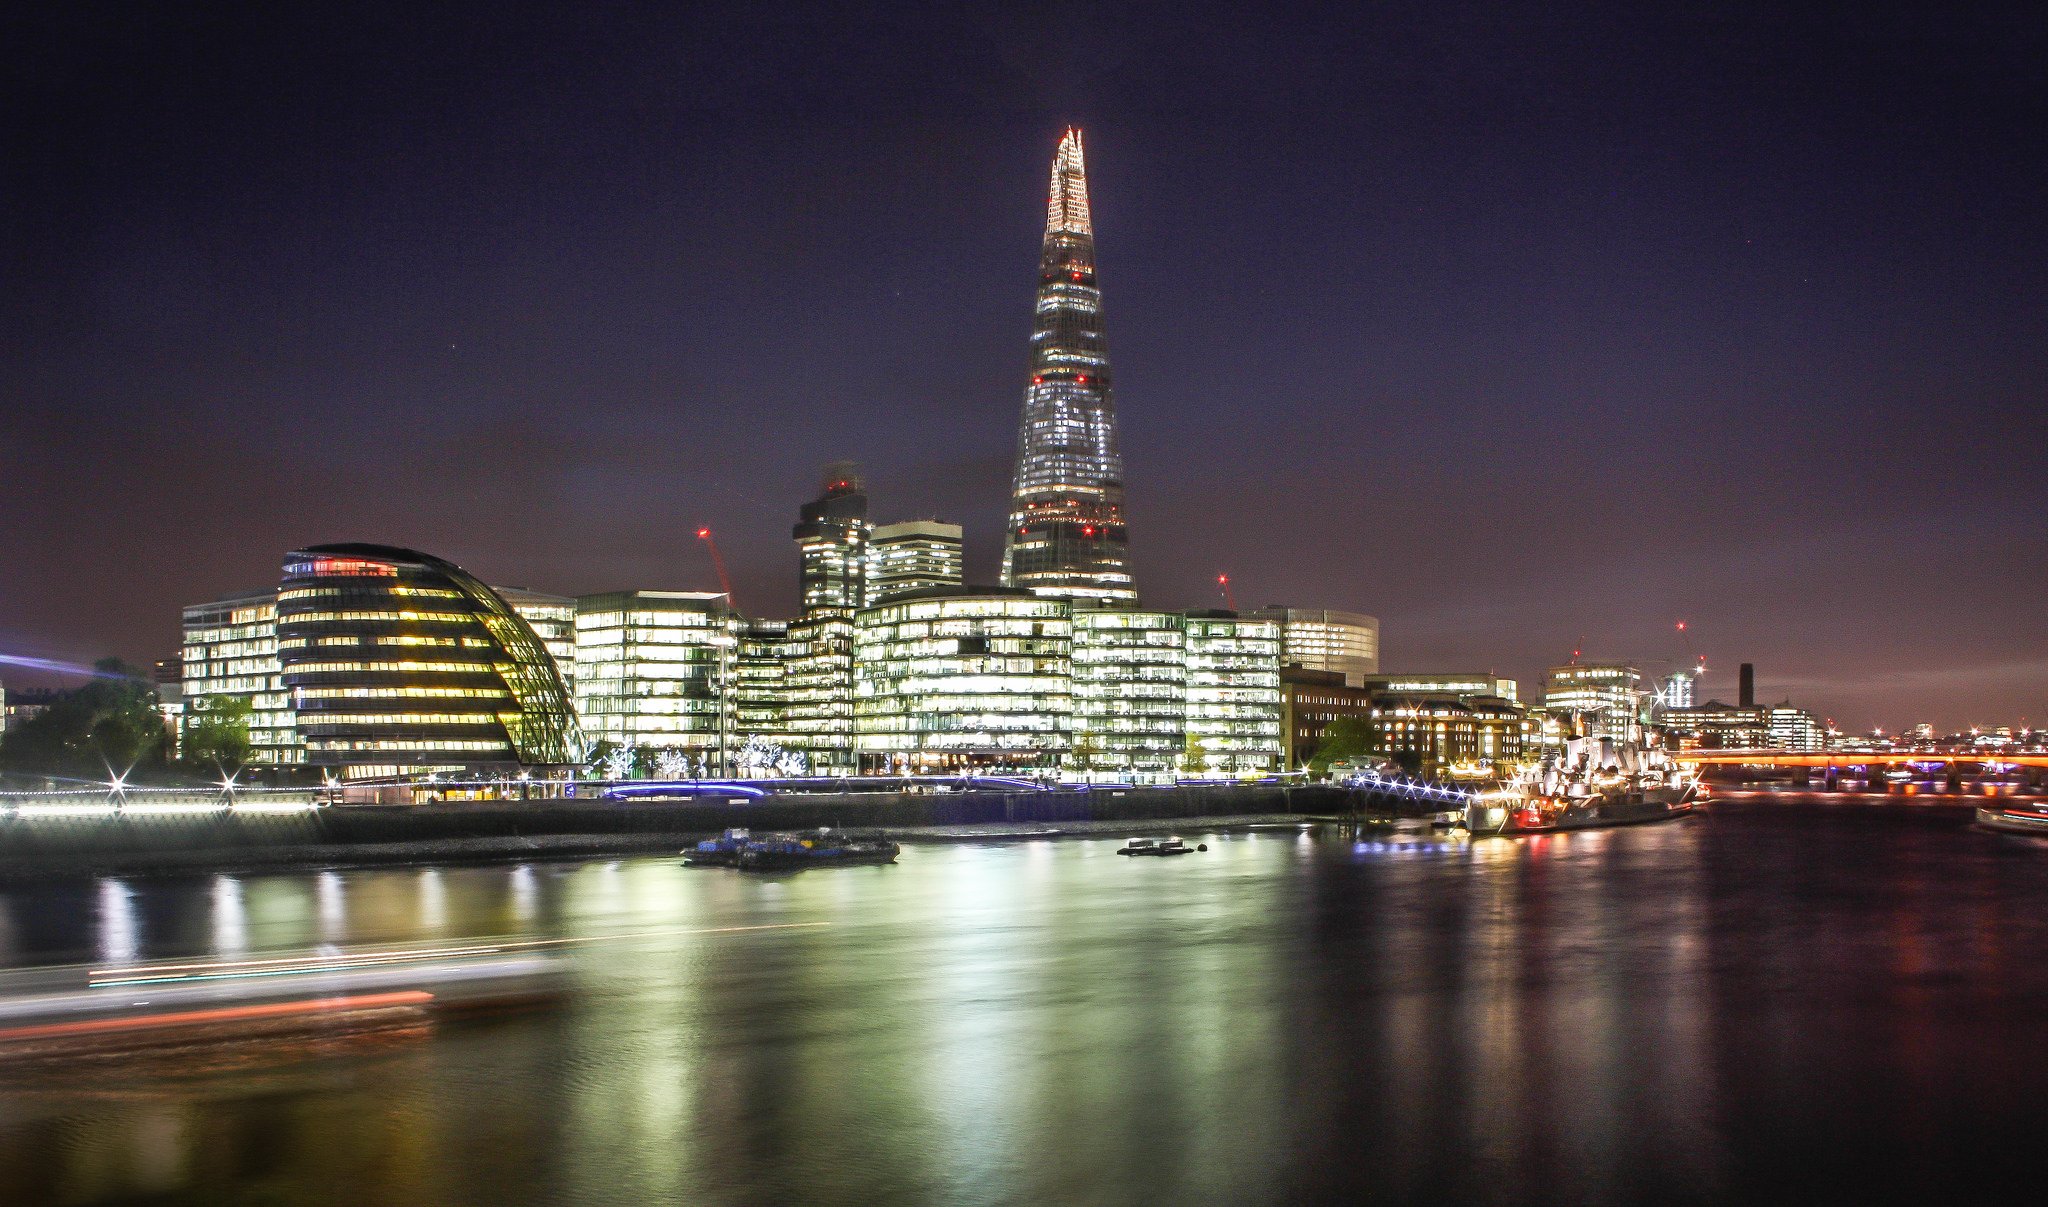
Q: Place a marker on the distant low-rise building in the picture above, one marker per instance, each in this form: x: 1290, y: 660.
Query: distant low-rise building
x: 1437, y: 732
x: 1452, y: 683
x: 1717, y: 726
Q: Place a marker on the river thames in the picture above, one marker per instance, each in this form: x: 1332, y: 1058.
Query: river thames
x: 1766, y: 1002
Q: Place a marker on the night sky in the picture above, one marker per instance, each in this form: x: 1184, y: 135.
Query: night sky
x: 1510, y: 325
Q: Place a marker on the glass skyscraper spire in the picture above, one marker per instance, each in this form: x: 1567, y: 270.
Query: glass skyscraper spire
x: 1066, y: 534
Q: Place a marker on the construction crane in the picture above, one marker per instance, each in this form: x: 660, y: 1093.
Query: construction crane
x: 718, y: 564
x: 1223, y: 585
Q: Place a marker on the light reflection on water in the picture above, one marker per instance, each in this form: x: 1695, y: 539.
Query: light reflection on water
x: 1716, y: 1009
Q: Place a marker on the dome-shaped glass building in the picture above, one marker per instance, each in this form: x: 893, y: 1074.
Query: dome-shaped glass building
x: 397, y: 662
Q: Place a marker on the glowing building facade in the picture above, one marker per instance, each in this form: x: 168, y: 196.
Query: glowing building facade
x: 652, y: 669
x: 1321, y: 639
x: 229, y: 651
x: 398, y: 662
x: 817, y: 685
x: 1233, y: 700
x: 553, y: 619
x: 831, y: 534
x: 1130, y: 694
x: 1603, y: 695
x: 911, y: 556
x: 949, y: 680
x: 1066, y: 535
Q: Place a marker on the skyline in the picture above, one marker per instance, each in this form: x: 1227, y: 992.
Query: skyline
x: 1400, y: 389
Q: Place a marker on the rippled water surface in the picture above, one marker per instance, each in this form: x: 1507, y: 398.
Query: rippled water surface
x: 1773, y: 1001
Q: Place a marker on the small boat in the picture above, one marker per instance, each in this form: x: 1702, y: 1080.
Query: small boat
x: 1159, y: 846
x: 720, y: 852
x: 795, y: 852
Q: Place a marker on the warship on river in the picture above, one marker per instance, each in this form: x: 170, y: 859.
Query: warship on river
x: 1590, y: 782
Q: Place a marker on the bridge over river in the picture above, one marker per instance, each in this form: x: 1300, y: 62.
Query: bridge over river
x: 1883, y: 771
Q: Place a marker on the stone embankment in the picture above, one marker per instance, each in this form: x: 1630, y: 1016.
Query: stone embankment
x: 223, y: 839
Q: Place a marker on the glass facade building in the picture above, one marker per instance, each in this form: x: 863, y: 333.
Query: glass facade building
x: 229, y: 649
x: 1234, y: 705
x: 652, y: 669
x: 831, y: 535
x: 1321, y: 639
x: 553, y: 619
x: 817, y: 684
x: 1066, y: 535
x: 952, y: 680
x: 1603, y: 695
x: 913, y: 555
x: 398, y: 662
x: 1130, y: 694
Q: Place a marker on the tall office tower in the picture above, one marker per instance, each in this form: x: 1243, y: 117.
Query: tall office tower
x: 832, y: 537
x: 913, y: 555
x: 1066, y: 535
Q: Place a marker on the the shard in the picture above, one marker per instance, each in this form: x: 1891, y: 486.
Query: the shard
x: 1066, y: 534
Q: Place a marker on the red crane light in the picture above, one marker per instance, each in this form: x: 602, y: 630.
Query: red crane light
x: 718, y: 564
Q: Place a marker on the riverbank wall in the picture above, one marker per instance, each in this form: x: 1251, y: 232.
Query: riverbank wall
x: 44, y: 842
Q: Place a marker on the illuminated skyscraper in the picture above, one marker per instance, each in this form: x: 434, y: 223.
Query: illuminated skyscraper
x: 1066, y: 535
x: 832, y: 537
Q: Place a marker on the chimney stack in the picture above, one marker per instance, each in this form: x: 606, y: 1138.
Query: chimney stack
x: 1748, y: 697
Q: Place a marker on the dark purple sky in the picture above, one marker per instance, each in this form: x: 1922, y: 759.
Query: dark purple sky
x: 1508, y: 324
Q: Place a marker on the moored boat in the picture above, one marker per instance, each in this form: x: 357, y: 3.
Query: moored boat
x: 825, y: 848
x: 1159, y: 846
x: 720, y: 852
x: 1592, y: 783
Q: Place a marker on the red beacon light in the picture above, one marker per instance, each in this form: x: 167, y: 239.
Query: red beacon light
x: 704, y: 534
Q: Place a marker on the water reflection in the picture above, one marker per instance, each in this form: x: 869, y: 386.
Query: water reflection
x: 1714, y: 1009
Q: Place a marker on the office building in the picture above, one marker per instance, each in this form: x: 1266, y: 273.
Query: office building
x: 1795, y: 729
x: 963, y: 679
x: 229, y: 650
x: 1130, y: 694
x: 911, y: 556
x: 1438, y: 733
x: 1233, y: 710
x: 1600, y: 696
x: 1321, y: 639
x: 1449, y: 683
x: 553, y: 620
x: 1310, y: 701
x: 1717, y: 726
x: 831, y: 535
x: 817, y: 679
x: 760, y: 683
x: 1066, y: 535
x: 398, y: 662
x: 652, y: 669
